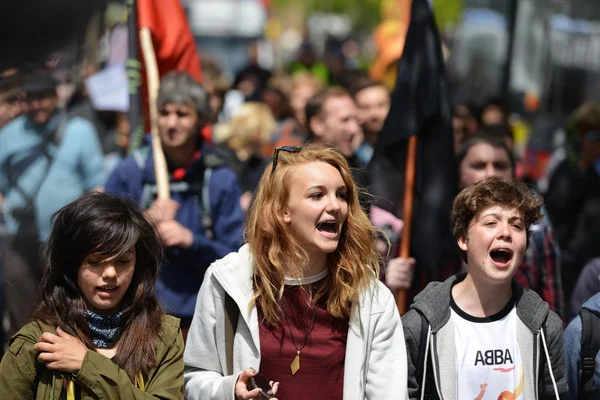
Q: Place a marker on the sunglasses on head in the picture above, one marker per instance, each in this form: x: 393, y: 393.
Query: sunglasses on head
x: 289, y: 149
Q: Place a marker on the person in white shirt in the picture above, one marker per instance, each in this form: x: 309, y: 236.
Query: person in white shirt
x: 480, y: 334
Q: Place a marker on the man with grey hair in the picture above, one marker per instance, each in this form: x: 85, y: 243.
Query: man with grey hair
x: 202, y: 222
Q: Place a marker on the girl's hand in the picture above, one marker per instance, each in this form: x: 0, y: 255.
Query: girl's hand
x: 243, y: 382
x: 61, y: 352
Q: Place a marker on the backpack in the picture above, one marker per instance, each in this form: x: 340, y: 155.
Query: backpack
x: 200, y: 190
x: 590, y: 344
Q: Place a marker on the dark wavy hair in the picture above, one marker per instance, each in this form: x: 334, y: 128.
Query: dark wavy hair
x: 102, y: 224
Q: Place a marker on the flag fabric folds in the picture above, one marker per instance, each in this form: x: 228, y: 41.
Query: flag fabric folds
x: 171, y: 35
x: 420, y: 106
x: 172, y: 39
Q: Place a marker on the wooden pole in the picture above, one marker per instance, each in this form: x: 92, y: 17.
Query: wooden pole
x: 407, y: 211
x: 160, y: 162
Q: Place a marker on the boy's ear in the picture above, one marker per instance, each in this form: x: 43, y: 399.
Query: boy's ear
x: 463, y: 243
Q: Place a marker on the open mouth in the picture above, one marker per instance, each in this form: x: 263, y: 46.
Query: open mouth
x: 107, y: 289
x: 501, y: 256
x: 329, y: 227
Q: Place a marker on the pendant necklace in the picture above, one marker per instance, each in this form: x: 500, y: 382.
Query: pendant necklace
x: 295, y: 366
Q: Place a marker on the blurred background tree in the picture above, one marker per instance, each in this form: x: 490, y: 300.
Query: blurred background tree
x: 447, y: 13
x: 366, y: 14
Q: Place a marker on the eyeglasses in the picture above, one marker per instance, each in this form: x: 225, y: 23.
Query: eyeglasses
x: 289, y: 149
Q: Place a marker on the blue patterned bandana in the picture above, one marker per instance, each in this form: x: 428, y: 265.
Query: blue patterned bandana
x: 106, y: 330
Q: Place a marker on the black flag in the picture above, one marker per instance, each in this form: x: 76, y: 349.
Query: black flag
x: 420, y: 106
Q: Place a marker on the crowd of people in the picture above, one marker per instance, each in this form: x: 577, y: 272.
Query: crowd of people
x: 267, y: 262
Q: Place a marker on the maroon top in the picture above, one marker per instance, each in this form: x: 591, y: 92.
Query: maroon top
x: 321, y: 373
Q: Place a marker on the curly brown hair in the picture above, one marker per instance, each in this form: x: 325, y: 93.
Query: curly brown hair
x: 494, y: 192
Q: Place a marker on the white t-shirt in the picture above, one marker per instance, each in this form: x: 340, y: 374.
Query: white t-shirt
x: 488, y: 361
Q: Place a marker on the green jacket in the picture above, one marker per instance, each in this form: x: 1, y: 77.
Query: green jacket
x: 22, y: 376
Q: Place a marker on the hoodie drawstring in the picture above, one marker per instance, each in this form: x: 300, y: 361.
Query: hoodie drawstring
x: 425, y: 363
x: 549, y: 364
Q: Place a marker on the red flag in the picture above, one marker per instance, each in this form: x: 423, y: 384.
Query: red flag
x: 172, y: 39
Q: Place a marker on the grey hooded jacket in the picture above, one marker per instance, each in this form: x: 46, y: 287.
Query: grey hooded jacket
x: 539, y: 335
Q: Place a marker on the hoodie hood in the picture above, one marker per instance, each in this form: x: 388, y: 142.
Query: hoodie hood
x: 434, y: 304
x: 235, y: 274
x: 593, y: 303
x: 236, y: 281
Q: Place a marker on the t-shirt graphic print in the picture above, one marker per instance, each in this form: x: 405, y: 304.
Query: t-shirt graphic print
x: 488, y: 361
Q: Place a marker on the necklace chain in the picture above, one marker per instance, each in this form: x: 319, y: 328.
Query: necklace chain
x: 308, y: 332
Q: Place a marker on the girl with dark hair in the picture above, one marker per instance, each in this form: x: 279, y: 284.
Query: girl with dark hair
x: 98, y: 329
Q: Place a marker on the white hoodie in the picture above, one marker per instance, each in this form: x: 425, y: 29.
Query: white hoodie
x: 375, y: 365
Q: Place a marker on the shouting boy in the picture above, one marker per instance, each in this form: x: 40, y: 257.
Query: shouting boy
x: 481, y: 335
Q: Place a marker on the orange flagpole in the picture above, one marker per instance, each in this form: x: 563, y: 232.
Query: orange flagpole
x: 407, y: 211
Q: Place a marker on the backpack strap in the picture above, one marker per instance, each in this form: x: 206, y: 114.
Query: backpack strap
x: 232, y: 314
x: 205, y: 210
x: 590, y: 344
x: 210, y: 161
x: 140, y: 155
